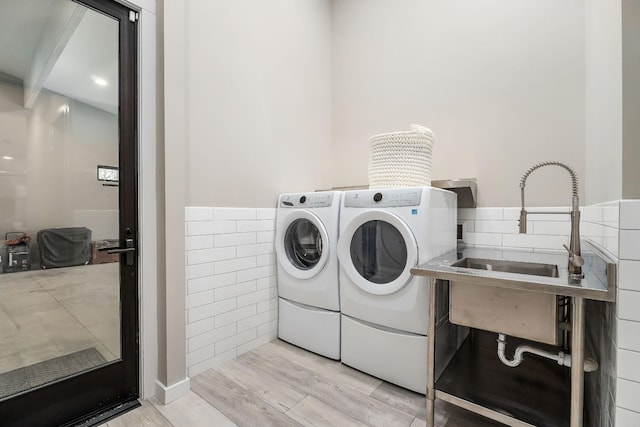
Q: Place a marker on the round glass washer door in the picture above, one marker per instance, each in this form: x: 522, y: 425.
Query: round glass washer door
x: 377, y: 251
x: 302, y: 245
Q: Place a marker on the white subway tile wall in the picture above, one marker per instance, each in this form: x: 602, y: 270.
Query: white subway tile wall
x: 601, y: 223
x: 628, y: 274
x: 499, y: 227
x: 627, y: 337
x: 626, y: 418
x: 231, y: 298
x: 629, y: 214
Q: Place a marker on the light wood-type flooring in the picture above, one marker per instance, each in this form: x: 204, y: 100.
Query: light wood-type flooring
x: 279, y: 384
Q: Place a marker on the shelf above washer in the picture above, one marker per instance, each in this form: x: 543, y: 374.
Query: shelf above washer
x: 465, y: 188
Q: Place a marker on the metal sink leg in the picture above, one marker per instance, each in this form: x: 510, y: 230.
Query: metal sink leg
x: 431, y: 354
x: 577, y: 361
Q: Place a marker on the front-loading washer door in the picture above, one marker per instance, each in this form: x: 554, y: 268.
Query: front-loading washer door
x: 377, y: 251
x: 302, y: 245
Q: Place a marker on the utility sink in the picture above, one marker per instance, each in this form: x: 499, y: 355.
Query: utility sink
x: 514, y: 312
x: 518, y: 267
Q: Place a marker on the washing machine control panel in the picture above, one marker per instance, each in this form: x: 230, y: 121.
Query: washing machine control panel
x: 309, y: 200
x: 383, y: 198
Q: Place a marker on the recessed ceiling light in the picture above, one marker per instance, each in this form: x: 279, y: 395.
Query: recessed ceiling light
x: 100, y: 81
x: 7, y: 157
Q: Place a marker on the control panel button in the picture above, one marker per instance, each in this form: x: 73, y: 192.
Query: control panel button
x: 377, y: 197
x: 303, y: 199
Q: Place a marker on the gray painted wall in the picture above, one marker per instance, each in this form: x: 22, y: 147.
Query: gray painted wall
x: 501, y: 84
x: 603, y: 107
x: 51, y: 180
x: 631, y: 99
x: 258, y: 100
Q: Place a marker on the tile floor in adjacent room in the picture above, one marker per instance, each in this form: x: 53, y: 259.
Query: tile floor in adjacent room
x: 279, y: 384
x: 49, y: 313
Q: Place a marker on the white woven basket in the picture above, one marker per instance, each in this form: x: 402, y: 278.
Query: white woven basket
x: 401, y: 159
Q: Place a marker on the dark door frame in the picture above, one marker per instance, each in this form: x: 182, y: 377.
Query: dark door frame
x: 114, y: 385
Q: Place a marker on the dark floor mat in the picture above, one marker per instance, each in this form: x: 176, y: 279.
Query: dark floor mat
x: 22, y: 379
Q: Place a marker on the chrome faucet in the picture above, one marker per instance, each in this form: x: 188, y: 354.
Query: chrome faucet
x: 575, y: 260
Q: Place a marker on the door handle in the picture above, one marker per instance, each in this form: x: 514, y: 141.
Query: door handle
x: 129, y: 249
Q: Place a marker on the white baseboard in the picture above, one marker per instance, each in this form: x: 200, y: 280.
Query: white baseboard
x: 173, y: 392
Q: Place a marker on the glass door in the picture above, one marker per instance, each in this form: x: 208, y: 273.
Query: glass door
x: 68, y: 210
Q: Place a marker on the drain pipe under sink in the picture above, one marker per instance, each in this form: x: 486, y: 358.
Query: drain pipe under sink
x: 562, y: 358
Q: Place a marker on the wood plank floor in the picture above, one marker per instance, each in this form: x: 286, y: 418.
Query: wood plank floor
x: 279, y: 384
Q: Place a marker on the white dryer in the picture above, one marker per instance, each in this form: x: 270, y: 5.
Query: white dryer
x: 307, y: 265
x: 383, y: 234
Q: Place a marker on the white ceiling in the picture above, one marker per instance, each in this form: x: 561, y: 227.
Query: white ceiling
x: 21, y: 23
x: 92, y: 51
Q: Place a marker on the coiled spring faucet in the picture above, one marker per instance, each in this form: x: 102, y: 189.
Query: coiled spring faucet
x: 575, y: 260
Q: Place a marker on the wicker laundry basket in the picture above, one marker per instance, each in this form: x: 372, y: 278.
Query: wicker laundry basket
x: 401, y: 159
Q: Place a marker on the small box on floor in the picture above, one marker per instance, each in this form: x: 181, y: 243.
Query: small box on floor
x: 98, y: 253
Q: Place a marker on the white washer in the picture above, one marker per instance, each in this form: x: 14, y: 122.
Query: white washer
x: 307, y: 262
x: 383, y: 234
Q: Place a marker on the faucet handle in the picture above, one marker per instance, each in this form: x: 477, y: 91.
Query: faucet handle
x: 575, y: 259
x: 523, y: 221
